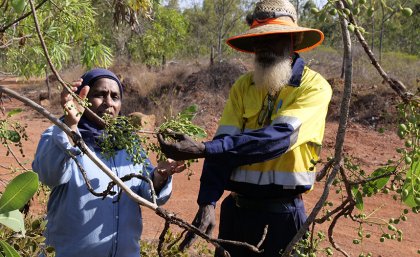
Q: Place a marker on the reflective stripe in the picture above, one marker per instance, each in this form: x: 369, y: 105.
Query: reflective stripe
x: 227, y: 130
x: 287, y: 179
x: 292, y: 121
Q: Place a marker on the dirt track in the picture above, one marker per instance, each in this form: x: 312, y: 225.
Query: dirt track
x: 368, y: 147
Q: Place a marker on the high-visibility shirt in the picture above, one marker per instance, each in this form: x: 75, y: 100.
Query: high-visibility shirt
x: 271, y: 160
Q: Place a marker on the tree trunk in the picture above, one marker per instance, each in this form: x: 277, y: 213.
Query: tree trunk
x: 47, y: 81
x: 212, y: 55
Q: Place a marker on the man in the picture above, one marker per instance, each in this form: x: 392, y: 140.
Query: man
x: 271, y: 129
x: 79, y: 223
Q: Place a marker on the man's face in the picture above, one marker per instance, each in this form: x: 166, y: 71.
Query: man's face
x: 269, y: 48
x: 105, y: 97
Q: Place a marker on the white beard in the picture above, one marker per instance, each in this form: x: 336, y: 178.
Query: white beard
x: 272, y: 76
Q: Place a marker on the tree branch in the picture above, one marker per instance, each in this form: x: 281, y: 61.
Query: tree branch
x: 331, y: 230
x: 344, y: 112
x: 396, y: 85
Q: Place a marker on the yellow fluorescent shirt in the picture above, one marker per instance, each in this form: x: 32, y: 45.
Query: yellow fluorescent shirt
x: 302, y: 107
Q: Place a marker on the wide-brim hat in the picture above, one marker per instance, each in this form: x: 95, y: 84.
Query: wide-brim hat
x: 276, y: 17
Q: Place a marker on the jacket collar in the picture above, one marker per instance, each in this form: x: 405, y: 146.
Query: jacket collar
x: 298, y: 65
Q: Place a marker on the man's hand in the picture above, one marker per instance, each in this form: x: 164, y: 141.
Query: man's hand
x: 204, y: 220
x: 184, y: 147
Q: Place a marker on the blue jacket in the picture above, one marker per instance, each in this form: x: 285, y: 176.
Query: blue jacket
x: 79, y: 223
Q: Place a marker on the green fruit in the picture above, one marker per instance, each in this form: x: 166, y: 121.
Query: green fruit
x: 368, y: 235
x: 314, y: 10
x: 347, y: 11
x: 382, y: 239
x: 408, y: 160
x: 18, y: 5
x: 417, y: 200
x: 350, y: 2
x: 407, y: 12
x: 351, y: 27
x: 362, y: 1
x: 333, y: 11
x: 402, y: 127
x: 370, y: 11
x: 356, y: 11
x: 404, y: 193
x: 329, y: 251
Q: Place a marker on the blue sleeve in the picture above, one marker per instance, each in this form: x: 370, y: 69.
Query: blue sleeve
x: 51, y: 161
x: 251, y: 147
x: 225, y: 153
x: 145, y: 191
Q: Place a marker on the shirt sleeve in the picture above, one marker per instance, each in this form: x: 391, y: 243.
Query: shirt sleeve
x: 145, y: 190
x: 51, y: 161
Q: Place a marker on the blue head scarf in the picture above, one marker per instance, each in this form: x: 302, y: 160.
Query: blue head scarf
x: 90, y: 77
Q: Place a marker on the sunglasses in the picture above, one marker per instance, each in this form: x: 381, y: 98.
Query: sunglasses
x: 264, y: 118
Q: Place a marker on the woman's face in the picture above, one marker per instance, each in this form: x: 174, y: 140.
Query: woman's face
x: 105, y: 97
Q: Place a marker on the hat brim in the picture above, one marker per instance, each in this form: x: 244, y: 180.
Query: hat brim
x: 304, y: 39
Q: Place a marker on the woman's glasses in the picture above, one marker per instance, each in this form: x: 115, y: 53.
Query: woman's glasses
x: 264, y: 118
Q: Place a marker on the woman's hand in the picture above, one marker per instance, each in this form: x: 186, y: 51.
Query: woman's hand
x: 73, y: 110
x: 165, y: 169
x: 170, y: 167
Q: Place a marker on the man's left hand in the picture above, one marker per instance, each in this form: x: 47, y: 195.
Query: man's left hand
x: 184, y: 147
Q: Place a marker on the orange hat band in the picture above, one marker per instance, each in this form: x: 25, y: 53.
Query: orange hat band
x: 276, y: 21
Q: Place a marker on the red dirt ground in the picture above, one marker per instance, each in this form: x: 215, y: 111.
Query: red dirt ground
x: 368, y: 147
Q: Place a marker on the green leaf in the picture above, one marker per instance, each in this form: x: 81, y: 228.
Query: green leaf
x: 13, y: 220
x: 19, y: 191
x: 18, y: 5
x: 189, y: 112
x: 358, y: 197
x: 410, y: 184
x: 14, y: 112
x: 381, y: 182
x: 12, y: 136
x: 8, y: 249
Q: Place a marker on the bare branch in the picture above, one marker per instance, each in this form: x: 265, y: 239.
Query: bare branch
x: 162, y: 238
x: 396, y: 85
x: 344, y: 112
x: 321, y: 174
x: 331, y: 229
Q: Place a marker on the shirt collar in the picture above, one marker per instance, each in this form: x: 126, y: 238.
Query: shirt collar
x: 298, y: 65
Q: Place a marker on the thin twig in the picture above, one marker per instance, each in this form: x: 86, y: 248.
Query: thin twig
x: 336, y: 210
x: 216, y: 242
x: 162, y: 238
x: 332, y: 226
x: 263, y: 236
x: 15, y: 157
x: 321, y: 174
x: 65, y: 85
x: 396, y: 85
